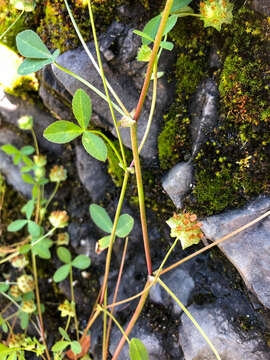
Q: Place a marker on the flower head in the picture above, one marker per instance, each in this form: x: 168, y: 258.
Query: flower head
x: 40, y: 160
x: 26, y: 283
x: 59, y: 219
x: 67, y: 309
x: 28, y: 306
x: 19, y: 261
x: 58, y: 173
x: 185, y: 228
x: 25, y: 5
x: 25, y: 122
x: 216, y: 12
x: 62, y: 239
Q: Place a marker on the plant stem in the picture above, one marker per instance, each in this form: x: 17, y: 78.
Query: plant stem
x: 90, y: 323
x: 124, y: 110
x: 133, y: 135
x: 11, y: 26
x: 158, y: 38
x: 132, y: 322
x: 116, y: 291
x: 38, y: 306
x: 35, y: 141
x: 158, y: 272
x: 105, y: 83
x: 104, y: 350
x: 52, y: 194
x: 116, y: 322
x: 190, y: 317
x: 90, y: 86
x: 73, y: 303
x: 9, y: 257
x: 152, y: 110
x: 115, y: 222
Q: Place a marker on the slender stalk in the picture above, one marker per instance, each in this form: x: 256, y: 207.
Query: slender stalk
x: 104, y: 350
x: 90, y: 86
x: 190, y: 317
x: 38, y: 306
x: 158, y: 272
x: 132, y: 322
x: 11, y: 26
x: 35, y: 141
x: 217, y: 242
x: 73, y: 303
x: 9, y: 257
x: 52, y: 195
x: 116, y: 291
x: 133, y: 135
x: 116, y: 218
x: 158, y: 38
x: 116, y: 322
x: 105, y: 82
x: 152, y: 110
x: 125, y: 111
x: 90, y: 323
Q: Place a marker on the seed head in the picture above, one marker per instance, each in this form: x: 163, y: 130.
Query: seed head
x: 59, y: 219
x: 216, y: 12
x: 67, y: 309
x: 28, y: 306
x: 58, y: 173
x: 26, y: 283
x: 15, y: 291
x: 63, y: 239
x: 19, y: 261
x: 25, y: 122
x: 185, y: 228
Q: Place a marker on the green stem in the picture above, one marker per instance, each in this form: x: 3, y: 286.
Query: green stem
x: 44, y: 236
x: 124, y: 110
x: 73, y: 303
x: 158, y: 39
x: 116, y: 322
x: 35, y: 141
x: 105, y: 83
x: 34, y: 263
x: 90, y: 86
x: 169, y: 291
x: 157, y: 273
x: 133, y: 135
x: 152, y: 110
x: 9, y: 257
x: 11, y: 26
x: 116, y: 218
x: 111, y: 145
x: 52, y: 195
x: 104, y: 350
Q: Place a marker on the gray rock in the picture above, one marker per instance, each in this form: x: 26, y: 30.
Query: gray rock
x: 230, y: 345
x: 12, y: 108
x: 149, y: 339
x: 249, y: 250
x: 12, y: 172
x: 92, y: 174
x: 204, y: 113
x: 261, y: 6
x: 177, y: 182
x: 180, y: 282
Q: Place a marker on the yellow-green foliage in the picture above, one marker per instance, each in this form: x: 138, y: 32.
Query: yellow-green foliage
x: 191, y: 40
x: 57, y: 30
x: 235, y: 165
x: 7, y: 16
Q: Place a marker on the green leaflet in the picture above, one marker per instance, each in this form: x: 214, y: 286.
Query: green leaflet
x: 137, y: 350
x: 82, y: 108
x: 95, y: 146
x: 62, y: 131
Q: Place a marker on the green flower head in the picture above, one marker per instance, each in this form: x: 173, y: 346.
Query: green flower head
x: 216, y: 12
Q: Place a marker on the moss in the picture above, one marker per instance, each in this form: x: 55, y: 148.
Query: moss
x: 57, y: 30
x: 190, y: 39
